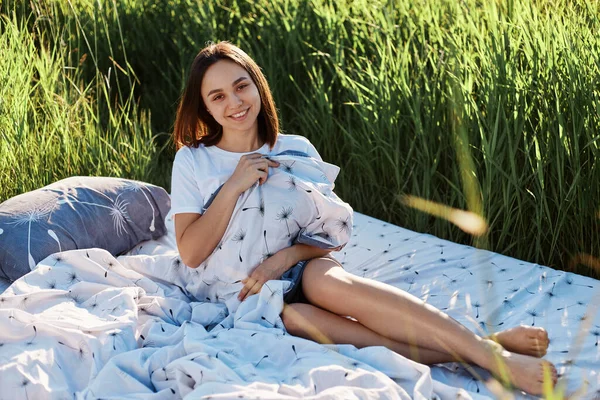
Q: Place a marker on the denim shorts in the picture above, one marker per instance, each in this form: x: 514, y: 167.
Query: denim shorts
x: 294, y: 275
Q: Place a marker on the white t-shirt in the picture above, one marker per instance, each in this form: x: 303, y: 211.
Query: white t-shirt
x: 199, y: 172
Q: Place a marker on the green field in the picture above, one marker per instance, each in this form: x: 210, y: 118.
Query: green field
x: 489, y: 106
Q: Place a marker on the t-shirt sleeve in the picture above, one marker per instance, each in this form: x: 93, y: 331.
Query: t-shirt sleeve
x: 312, y: 151
x: 186, y: 196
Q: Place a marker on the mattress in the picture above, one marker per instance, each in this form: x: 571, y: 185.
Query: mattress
x: 483, y: 290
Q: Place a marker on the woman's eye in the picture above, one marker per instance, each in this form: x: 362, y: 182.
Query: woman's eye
x: 242, y: 86
x: 217, y: 97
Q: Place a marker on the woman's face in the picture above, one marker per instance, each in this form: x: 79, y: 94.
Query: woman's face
x: 231, y: 96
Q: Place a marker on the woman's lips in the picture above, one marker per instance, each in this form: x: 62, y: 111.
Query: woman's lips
x: 242, y: 117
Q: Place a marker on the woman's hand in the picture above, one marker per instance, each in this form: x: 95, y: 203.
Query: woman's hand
x: 270, y: 269
x: 251, y: 168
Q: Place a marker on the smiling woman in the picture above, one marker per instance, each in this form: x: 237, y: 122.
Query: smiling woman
x: 233, y: 100
x: 230, y: 159
x: 234, y: 85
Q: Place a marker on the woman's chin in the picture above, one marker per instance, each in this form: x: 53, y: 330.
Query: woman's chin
x: 241, y: 126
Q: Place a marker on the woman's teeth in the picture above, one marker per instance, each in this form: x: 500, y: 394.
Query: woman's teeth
x: 241, y: 114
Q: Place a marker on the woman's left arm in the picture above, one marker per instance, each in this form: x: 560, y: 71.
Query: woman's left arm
x: 299, y: 252
x: 276, y: 265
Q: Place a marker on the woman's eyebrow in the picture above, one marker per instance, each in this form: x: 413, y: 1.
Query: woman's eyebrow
x: 238, y: 80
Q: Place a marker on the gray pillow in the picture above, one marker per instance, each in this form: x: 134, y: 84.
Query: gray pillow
x: 77, y: 213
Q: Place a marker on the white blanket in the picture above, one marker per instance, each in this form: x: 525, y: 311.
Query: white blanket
x: 84, y: 322
x: 106, y: 328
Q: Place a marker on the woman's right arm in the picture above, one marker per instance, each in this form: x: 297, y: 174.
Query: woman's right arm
x: 198, y: 235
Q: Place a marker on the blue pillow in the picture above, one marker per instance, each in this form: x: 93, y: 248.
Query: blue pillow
x: 77, y: 213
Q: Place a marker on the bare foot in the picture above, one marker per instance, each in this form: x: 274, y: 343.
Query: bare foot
x: 521, y: 371
x: 529, y: 340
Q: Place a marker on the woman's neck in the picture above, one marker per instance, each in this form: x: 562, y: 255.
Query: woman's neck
x: 240, y: 142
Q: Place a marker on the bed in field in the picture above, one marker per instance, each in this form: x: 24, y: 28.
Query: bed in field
x: 87, y: 325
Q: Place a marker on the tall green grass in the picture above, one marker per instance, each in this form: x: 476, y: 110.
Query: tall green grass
x: 54, y: 123
x: 396, y: 93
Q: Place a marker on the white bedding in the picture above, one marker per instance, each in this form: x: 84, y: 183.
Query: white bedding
x: 85, y: 325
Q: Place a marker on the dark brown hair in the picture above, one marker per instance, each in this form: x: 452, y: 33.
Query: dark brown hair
x: 194, y: 125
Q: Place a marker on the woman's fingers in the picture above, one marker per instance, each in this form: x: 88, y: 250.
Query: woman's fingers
x: 251, y: 156
x: 263, y: 163
x: 272, y: 163
x: 268, y: 162
x: 262, y: 166
x: 251, y: 287
x: 250, y: 169
x: 256, y: 288
x: 255, y: 166
x: 245, y: 290
x: 250, y: 160
x: 262, y: 177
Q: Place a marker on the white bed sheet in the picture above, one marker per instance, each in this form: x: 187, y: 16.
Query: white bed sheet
x: 483, y: 290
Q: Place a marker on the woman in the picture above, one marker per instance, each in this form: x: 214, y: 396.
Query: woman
x: 226, y: 123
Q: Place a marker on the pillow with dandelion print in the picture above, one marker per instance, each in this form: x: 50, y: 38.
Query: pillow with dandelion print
x: 77, y: 213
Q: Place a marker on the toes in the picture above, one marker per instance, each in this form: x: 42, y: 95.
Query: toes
x: 541, y: 340
x: 537, y: 333
x: 540, y: 333
x: 540, y: 352
x: 551, y: 368
x: 539, y: 349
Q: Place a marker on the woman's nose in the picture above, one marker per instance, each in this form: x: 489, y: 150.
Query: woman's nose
x: 235, y: 101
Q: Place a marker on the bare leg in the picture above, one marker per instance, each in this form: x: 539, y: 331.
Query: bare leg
x: 310, y: 322
x: 397, y: 315
x: 314, y: 323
